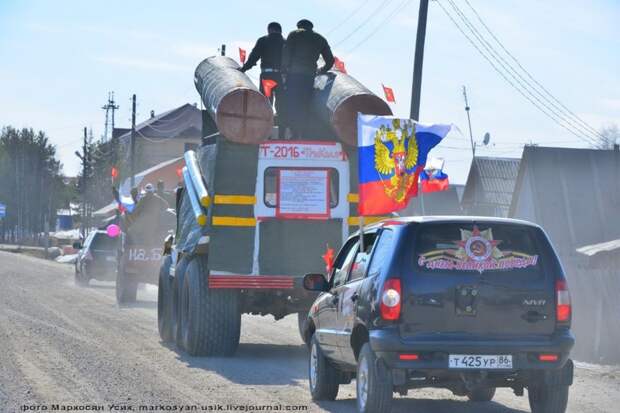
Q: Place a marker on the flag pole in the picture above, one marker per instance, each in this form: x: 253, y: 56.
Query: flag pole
x: 361, y: 233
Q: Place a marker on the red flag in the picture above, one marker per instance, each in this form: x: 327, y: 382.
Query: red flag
x: 242, y: 55
x: 268, y: 85
x: 389, y: 94
x: 328, y: 257
x: 339, y: 65
x: 114, y: 173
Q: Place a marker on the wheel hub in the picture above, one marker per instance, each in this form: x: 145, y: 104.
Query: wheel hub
x: 362, y: 383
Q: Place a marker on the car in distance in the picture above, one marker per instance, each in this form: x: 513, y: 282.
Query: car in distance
x: 96, y: 258
x: 463, y: 303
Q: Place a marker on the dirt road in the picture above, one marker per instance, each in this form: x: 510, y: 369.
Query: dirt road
x: 60, y: 344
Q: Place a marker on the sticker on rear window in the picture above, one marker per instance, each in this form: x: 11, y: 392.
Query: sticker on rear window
x: 475, y: 251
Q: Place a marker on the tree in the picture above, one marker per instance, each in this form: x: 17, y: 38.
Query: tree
x: 32, y: 185
x: 610, y: 135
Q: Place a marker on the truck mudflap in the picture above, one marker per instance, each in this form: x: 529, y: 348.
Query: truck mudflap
x: 254, y: 282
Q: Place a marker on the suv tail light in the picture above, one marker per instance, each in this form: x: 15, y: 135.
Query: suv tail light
x: 391, y: 299
x: 563, y: 304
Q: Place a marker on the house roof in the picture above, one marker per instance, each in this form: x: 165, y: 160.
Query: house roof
x: 573, y: 193
x: 491, y: 183
x: 183, y: 121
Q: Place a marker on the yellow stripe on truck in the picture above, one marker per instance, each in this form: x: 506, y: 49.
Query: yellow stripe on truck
x: 235, y: 199
x: 233, y: 222
x: 353, y: 198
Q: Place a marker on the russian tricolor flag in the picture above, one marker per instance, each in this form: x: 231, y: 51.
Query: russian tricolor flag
x: 433, y: 178
x: 392, y: 154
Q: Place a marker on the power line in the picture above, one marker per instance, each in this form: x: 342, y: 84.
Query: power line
x: 380, y: 25
x: 524, y: 83
x: 518, y: 78
x: 374, y: 13
x: 346, y: 19
x: 549, y: 115
x: 527, y: 72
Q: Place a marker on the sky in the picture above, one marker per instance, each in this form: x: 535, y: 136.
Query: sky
x: 59, y: 59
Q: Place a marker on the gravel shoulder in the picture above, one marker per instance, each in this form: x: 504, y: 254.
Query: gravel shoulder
x: 61, y: 344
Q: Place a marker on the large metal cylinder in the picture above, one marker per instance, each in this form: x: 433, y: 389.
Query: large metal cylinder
x: 338, y: 98
x: 241, y: 113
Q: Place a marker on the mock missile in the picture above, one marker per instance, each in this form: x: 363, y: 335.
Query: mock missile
x: 241, y: 113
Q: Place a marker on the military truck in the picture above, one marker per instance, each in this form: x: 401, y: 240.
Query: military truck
x: 140, y: 246
x: 256, y: 214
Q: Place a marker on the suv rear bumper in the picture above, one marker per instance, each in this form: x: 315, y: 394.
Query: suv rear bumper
x: 433, y: 354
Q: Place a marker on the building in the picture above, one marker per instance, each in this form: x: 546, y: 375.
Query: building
x: 163, y: 137
x: 490, y: 185
x: 574, y: 194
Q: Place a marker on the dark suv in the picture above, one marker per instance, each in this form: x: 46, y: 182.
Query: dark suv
x: 96, y: 258
x: 467, y: 304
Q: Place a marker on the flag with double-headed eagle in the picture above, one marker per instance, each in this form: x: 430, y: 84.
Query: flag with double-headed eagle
x: 392, y: 153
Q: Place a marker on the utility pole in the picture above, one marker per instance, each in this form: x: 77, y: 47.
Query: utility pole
x: 109, y: 108
x: 416, y: 87
x: 85, y: 171
x: 132, y: 150
x: 471, y: 136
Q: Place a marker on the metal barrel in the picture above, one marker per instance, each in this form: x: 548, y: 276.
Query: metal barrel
x: 199, y: 214
x: 337, y: 99
x: 242, y: 114
x: 193, y: 169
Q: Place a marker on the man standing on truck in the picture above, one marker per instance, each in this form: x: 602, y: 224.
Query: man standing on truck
x: 299, y: 66
x: 268, y: 50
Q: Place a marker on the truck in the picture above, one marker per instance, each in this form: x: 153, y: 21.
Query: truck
x: 255, y: 214
x: 139, y: 250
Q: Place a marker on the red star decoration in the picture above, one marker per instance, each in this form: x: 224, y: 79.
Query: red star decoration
x: 477, y: 233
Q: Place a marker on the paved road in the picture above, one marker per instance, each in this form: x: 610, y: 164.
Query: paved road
x: 60, y: 344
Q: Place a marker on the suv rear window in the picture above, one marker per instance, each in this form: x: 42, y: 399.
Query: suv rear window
x: 102, y: 242
x: 482, y: 248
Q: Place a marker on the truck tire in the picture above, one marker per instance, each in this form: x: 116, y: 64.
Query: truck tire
x: 177, y: 287
x: 323, y: 377
x: 547, y: 398
x: 126, y: 288
x: 302, y: 321
x: 210, y: 319
x: 481, y: 394
x: 164, y: 301
x: 373, y: 384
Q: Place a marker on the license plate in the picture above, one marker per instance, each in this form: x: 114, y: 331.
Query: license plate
x: 481, y: 362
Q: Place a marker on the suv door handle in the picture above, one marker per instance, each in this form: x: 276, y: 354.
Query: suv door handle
x: 354, y: 297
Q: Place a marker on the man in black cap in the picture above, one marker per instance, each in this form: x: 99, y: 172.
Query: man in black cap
x: 299, y: 64
x: 268, y: 50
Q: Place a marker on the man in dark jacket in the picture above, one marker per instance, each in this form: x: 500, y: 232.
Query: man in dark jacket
x: 268, y: 50
x: 299, y: 65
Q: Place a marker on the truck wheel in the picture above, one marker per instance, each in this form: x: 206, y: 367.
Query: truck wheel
x: 177, y: 287
x: 323, y: 376
x: 164, y: 301
x: 126, y: 288
x: 302, y: 321
x: 374, y: 383
x: 481, y: 394
x: 548, y: 398
x: 210, y: 319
